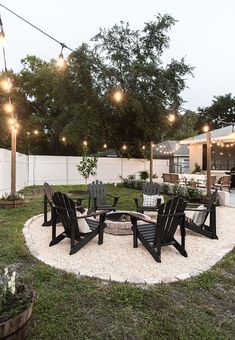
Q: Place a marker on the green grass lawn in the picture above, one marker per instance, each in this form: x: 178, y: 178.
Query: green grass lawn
x: 70, y: 307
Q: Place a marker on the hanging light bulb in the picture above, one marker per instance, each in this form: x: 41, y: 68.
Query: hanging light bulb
x: 118, y: 95
x: 85, y: 143
x: 8, y: 107
x: 105, y: 146
x: 124, y: 147
x: 143, y: 147
x: 61, y: 62
x: 171, y: 118
x: 205, y: 128
x: 63, y: 139
x: 6, y: 85
x: 35, y: 132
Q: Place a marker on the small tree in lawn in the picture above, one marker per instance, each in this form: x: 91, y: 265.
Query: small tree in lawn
x: 88, y: 165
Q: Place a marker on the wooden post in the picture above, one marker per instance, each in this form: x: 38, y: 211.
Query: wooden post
x: 151, y: 163
x: 208, y: 166
x: 13, y: 162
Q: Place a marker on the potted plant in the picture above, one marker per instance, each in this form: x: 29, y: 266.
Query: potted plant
x: 16, y: 302
x: 12, y: 200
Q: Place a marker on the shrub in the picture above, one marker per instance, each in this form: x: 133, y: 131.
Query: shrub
x: 132, y: 183
x: 144, y: 175
x: 165, y: 188
x: 194, y: 194
x: 179, y: 190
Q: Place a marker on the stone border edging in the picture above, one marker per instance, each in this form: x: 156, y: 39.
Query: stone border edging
x: 148, y: 281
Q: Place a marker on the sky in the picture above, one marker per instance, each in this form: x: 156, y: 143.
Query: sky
x: 203, y: 35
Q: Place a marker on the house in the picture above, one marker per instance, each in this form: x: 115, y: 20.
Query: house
x: 177, y: 154
x: 222, y: 150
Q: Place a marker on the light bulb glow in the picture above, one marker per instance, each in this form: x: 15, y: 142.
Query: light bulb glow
x: 85, y: 143
x: 6, y: 85
x: 124, y: 147
x: 118, y: 96
x: 206, y: 128
x: 35, y: 132
x: 9, y: 108
x: 143, y: 147
x: 61, y: 63
x: 105, y: 146
x: 171, y: 118
x: 63, y: 139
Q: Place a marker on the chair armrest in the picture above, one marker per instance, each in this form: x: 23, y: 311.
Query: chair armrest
x: 102, y: 212
x: 141, y: 218
x: 113, y: 196
x: 115, y: 199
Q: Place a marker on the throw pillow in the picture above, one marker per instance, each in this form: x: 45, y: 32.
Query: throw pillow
x: 82, y: 224
x: 199, y: 215
x: 150, y: 200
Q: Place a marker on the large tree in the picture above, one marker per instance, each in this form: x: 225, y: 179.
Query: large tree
x: 133, y: 60
x: 221, y: 112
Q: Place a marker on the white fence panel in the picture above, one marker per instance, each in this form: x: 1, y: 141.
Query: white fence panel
x: 35, y: 170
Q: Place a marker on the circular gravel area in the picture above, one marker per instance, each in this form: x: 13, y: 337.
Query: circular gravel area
x: 117, y: 260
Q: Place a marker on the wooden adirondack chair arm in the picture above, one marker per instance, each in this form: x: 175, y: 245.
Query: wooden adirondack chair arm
x: 102, y: 212
x: 117, y: 197
x: 190, y: 209
x: 141, y: 218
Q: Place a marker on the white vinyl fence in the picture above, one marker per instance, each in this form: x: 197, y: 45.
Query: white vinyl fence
x: 35, y: 170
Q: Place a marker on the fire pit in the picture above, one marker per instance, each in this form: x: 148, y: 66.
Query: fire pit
x: 119, y: 223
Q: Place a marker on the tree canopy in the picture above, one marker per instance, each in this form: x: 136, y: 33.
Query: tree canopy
x: 221, y: 112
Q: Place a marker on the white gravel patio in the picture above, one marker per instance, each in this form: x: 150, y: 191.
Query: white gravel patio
x: 117, y: 260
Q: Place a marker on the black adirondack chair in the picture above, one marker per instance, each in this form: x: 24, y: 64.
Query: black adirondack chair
x: 148, y: 189
x: 155, y: 235
x: 48, y: 194
x: 98, y: 197
x: 203, y: 228
x: 65, y: 208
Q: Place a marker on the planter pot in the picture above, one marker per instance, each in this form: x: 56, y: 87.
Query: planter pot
x: 16, y: 328
x: 11, y: 203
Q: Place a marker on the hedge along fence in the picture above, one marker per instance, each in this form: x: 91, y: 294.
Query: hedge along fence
x: 189, y: 193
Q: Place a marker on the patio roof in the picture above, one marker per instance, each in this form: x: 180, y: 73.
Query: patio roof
x: 226, y: 134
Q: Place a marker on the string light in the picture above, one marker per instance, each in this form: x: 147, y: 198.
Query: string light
x: 61, y: 62
x: 105, y: 146
x: 171, y: 118
x: 36, y: 132
x: 124, y: 147
x: 118, y: 95
x: 8, y: 107
x: 206, y: 128
x: 63, y: 139
x: 6, y: 85
x: 143, y: 147
x: 85, y: 143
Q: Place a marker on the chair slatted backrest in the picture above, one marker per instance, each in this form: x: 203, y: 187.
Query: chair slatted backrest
x: 48, y: 191
x: 97, y: 189
x: 66, y: 209
x: 213, y: 180
x: 150, y: 189
x: 210, y: 204
x: 168, y: 222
